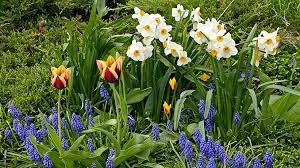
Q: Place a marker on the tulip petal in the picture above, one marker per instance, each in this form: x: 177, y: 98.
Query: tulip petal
x: 58, y: 82
x: 110, y: 60
x: 109, y: 75
x: 101, y: 64
x: 118, y: 65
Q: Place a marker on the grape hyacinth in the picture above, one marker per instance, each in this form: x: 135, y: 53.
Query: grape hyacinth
x: 203, y: 146
x: 104, y: 94
x: 64, y: 123
x: 256, y: 164
x: 88, y: 107
x: 268, y: 159
x: 207, y: 125
x: 238, y: 160
x: 54, y: 120
x: 237, y: 118
x: 198, y: 136
x: 182, y: 140
x: 211, y: 163
x: 201, y: 106
x: 188, y: 151
x: 76, y: 123
x: 64, y: 144
x: 201, y: 162
x: 211, y: 86
x: 210, y: 148
x: 44, y: 130
x: 91, y: 120
x: 31, y: 151
x: 169, y: 125
x: 109, y: 162
x: 155, y: 132
x: 8, y: 134
x: 47, y: 161
x: 93, y: 165
x: 90, y: 145
x: 27, y: 120
x: 14, y: 112
x: 15, y: 124
x: 223, y: 157
x: 131, y: 122
x: 21, y: 132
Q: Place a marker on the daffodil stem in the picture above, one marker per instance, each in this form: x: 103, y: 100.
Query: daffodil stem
x: 253, y: 64
x: 58, y: 112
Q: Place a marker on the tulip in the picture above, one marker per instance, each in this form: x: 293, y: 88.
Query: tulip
x: 60, y: 76
x: 110, y: 69
x: 167, y: 108
x: 204, y: 77
x: 172, y: 83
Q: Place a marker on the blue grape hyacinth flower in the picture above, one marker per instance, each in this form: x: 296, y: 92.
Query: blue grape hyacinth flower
x: 198, y: 136
x: 93, y: 165
x: 188, y: 151
x: 76, y: 123
x: 155, y: 132
x: 201, y: 162
x: 14, y: 112
x: 90, y: 145
x: 256, y: 163
x: 65, y: 124
x: 238, y: 160
x: 182, y: 140
x: 27, y: 119
x: 109, y: 162
x: 268, y: 159
x: 237, y: 118
x: 47, y: 161
x: 8, y: 135
x: 210, y: 148
x: 211, y: 163
x: 64, y: 144
x: 104, y: 94
x: 131, y: 122
x: 201, y: 106
x: 169, y: 125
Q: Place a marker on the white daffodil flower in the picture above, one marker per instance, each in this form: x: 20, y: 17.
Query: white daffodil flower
x: 183, y: 58
x: 198, y: 36
x: 158, y: 18
x: 147, y: 26
x: 228, y: 49
x: 214, y: 49
x: 172, y: 48
x: 162, y: 32
x: 138, y: 13
x: 256, y: 59
x: 179, y: 12
x: 148, y: 40
x: 138, y: 52
x: 268, y: 42
x: 196, y: 15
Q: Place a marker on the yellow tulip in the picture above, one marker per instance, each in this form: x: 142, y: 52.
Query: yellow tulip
x: 172, y: 83
x: 204, y: 77
x: 167, y: 108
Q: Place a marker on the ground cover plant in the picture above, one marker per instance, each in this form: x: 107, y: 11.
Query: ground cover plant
x: 174, y: 88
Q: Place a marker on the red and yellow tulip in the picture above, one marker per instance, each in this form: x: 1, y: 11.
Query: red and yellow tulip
x: 60, y: 76
x: 172, y: 83
x: 110, y: 69
x: 167, y: 108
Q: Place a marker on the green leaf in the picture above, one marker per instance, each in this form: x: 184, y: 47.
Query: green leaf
x: 207, y: 102
x: 186, y: 93
x: 271, y: 82
x: 136, y: 95
x: 77, y: 143
x: 254, y: 103
x: 283, y: 88
x: 192, y: 127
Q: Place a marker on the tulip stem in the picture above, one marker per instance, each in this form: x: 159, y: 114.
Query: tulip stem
x: 58, y: 112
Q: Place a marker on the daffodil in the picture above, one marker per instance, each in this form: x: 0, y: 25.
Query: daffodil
x: 158, y: 18
x: 110, y: 69
x: 167, y: 108
x: 196, y: 15
x: 198, y: 36
x: 60, y: 76
x: 268, y: 42
x: 179, y: 12
x: 228, y: 49
x: 172, y: 48
x: 204, y: 77
x: 138, y: 13
x: 147, y: 26
x: 183, y: 58
x: 256, y: 59
x: 162, y: 32
x: 138, y: 52
x: 172, y: 83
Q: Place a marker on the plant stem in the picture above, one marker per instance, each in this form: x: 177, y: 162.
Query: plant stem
x: 58, y: 112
